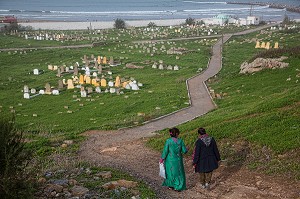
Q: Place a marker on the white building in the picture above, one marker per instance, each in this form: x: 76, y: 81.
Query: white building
x: 222, y: 20
x: 250, y: 20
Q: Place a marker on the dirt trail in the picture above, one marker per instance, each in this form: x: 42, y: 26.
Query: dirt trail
x: 125, y: 150
x: 130, y: 154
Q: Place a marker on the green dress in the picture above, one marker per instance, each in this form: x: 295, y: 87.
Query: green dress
x: 172, y: 155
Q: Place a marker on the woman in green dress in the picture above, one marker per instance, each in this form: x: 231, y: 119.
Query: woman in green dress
x: 172, y: 158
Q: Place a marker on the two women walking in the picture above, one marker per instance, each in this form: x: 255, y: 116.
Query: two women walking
x: 205, y: 159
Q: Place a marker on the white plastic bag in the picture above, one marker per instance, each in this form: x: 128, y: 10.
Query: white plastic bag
x: 162, y: 171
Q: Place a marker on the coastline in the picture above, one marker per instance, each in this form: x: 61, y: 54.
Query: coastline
x: 66, y: 25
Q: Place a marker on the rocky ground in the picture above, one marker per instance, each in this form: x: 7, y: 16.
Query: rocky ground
x: 130, y: 154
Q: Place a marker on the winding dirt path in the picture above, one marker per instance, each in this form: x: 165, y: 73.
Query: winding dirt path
x: 125, y: 149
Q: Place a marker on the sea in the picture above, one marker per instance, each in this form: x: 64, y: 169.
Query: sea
x: 109, y: 10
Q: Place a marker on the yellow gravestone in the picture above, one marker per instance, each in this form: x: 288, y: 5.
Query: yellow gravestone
x: 104, y: 60
x: 99, y: 60
x: 257, y: 44
x: 267, y: 46
x: 70, y: 84
x: 276, y: 45
x: 124, y: 84
x: 94, y: 82
x: 118, y: 82
x: 75, y: 79
x: 50, y: 67
x: 263, y: 45
x: 81, y: 79
x: 88, y: 80
x: 103, y: 82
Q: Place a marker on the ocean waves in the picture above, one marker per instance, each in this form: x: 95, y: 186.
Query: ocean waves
x: 157, y: 9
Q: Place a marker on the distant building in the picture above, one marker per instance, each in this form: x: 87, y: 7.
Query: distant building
x: 8, y: 19
x: 220, y: 19
x: 223, y: 19
x: 250, y: 20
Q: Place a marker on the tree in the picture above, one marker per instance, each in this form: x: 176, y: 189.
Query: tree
x: 119, y: 24
x: 286, y: 20
x: 14, y: 158
x: 151, y: 24
x: 190, y: 21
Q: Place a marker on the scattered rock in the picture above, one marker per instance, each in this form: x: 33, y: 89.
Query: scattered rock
x: 110, y: 185
x: 51, y: 188
x: 42, y: 180
x: 72, y: 182
x: 79, y: 190
x: 112, y: 149
x: 104, y: 174
x: 127, y: 183
x: 69, y: 142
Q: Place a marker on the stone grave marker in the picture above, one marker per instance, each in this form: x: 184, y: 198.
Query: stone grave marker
x: 110, y: 83
x: 81, y: 79
x: 89, y: 90
x: 70, y: 84
x: 62, y: 69
x: 48, y: 89
x: 36, y: 71
x: 33, y: 91
x: 161, y: 66
x: 117, y: 82
x: 26, y: 89
x: 98, y: 89
x: 58, y: 73
x: 82, y: 92
x: 88, y: 80
x: 60, y: 84
x: 75, y: 70
x: 55, y: 92
x: 103, y: 82
x: 26, y: 96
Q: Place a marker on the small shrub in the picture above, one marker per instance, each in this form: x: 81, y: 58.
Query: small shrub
x: 14, y: 158
x: 190, y: 21
x: 151, y: 24
x: 119, y: 24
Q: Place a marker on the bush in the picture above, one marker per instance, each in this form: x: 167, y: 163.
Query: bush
x: 190, y: 21
x: 119, y: 24
x: 14, y: 158
x: 151, y: 24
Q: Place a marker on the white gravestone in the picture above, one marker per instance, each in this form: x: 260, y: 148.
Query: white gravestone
x: 55, y: 92
x: 26, y: 96
x: 110, y: 83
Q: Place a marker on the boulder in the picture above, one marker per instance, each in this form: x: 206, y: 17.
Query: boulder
x: 260, y: 63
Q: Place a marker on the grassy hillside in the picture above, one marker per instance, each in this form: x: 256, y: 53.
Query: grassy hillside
x: 257, y: 121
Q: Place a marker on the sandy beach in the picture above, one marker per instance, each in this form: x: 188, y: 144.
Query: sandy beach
x: 62, y: 25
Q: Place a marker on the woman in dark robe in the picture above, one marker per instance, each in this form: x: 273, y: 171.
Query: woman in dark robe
x: 206, y: 157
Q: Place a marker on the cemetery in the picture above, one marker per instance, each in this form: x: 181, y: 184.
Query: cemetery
x: 110, y: 75
x: 140, y: 74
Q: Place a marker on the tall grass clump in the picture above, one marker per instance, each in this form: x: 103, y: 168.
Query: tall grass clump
x: 14, y: 158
